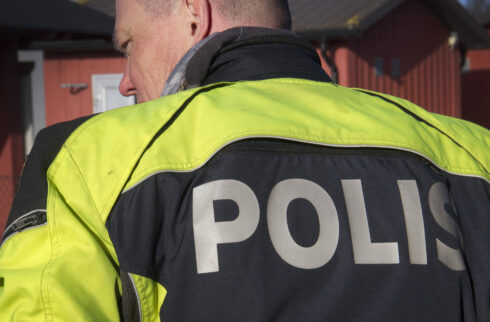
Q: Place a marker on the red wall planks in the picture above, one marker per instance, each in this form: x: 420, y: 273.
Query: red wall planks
x: 429, y: 69
x: 413, y: 37
x: 476, y: 84
x: 63, y: 104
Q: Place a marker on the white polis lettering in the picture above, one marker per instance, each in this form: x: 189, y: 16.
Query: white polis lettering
x: 365, y: 251
x: 208, y: 233
x: 414, y: 221
x: 302, y: 257
x: 438, y: 199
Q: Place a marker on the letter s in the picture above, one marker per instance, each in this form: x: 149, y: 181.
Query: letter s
x: 438, y: 198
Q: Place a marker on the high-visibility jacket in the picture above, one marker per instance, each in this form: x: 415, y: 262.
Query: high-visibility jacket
x: 186, y: 208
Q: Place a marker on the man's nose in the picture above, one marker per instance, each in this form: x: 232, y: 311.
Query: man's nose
x: 126, y: 87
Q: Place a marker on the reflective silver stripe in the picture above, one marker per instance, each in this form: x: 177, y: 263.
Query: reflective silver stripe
x: 137, y: 296
x: 308, y: 142
x: 12, y: 235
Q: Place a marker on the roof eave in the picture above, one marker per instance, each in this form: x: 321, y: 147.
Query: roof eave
x: 351, y: 31
x: 457, y: 18
x: 379, y: 14
x: 39, y: 28
x: 90, y: 45
x: 54, y: 16
x: 330, y: 34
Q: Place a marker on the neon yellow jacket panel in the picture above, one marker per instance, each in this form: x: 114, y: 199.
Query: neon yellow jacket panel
x: 69, y: 269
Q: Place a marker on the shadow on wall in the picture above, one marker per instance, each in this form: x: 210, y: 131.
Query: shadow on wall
x: 11, y: 136
x: 476, y: 97
x: 8, y: 187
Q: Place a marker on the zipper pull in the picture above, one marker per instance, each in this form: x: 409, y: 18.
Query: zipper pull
x: 30, y: 221
x: 431, y: 166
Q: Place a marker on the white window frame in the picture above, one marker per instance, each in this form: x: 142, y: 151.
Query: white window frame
x: 100, y: 82
x: 34, y: 118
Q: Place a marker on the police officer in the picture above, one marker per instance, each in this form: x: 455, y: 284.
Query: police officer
x: 254, y: 190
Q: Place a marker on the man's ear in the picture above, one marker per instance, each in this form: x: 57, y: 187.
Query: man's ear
x: 199, y: 23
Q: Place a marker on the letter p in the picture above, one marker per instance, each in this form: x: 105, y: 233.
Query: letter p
x: 208, y: 233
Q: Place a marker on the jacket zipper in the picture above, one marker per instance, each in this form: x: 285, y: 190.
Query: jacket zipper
x: 136, y: 294
x: 288, y: 146
x: 27, y: 221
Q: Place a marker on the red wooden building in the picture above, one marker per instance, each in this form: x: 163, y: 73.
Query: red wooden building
x: 476, y: 85
x: 49, y: 50
x: 408, y: 48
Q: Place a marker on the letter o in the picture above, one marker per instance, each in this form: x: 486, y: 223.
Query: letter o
x: 302, y: 257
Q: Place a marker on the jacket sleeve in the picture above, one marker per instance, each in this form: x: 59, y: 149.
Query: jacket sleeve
x: 54, y: 263
x: 21, y: 265
x: 33, y: 188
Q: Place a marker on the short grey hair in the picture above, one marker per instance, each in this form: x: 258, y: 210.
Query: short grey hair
x: 157, y: 7
x: 262, y: 13
x: 267, y: 13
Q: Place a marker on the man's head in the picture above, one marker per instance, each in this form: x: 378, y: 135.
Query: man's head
x: 155, y: 34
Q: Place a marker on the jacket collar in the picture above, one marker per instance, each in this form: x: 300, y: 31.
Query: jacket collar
x: 246, y: 53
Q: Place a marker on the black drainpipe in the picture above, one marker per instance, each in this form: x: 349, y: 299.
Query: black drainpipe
x: 330, y: 62
x: 462, y: 62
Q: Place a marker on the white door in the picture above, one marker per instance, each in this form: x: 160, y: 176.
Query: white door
x: 105, y: 93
